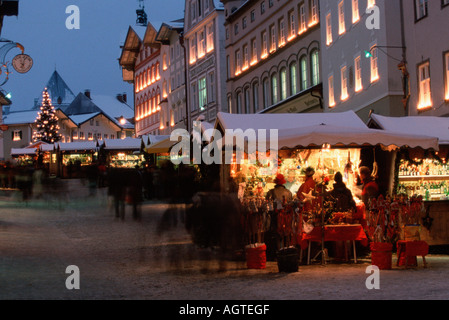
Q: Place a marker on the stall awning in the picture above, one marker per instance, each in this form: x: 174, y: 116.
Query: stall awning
x: 78, y: 146
x: 23, y: 151
x: 286, y: 120
x: 122, y: 144
x: 162, y: 146
x: 314, y: 130
x: 426, y: 125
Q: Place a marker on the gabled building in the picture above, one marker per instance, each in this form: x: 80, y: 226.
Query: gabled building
x: 203, y: 41
x: 362, y: 53
x: 60, y: 93
x: 273, y: 58
x: 427, y: 56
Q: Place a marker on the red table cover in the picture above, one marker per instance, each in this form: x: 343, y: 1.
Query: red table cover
x: 335, y: 233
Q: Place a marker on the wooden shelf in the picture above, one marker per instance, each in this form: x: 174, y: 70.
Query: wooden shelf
x: 429, y: 177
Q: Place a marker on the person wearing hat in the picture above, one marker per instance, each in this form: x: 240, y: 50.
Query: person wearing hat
x: 370, y: 188
x: 307, y: 187
x: 279, y: 192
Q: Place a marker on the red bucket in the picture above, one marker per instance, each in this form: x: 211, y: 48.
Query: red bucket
x: 256, y: 258
x: 381, y: 255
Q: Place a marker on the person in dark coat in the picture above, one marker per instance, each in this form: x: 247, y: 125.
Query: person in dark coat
x: 341, y: 195
x: 279, y: 192
x: 117, y: 189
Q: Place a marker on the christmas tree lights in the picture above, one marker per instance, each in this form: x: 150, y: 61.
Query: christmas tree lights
x: 46, y: 122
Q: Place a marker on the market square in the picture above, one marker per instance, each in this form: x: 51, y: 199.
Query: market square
x: 218, y: 150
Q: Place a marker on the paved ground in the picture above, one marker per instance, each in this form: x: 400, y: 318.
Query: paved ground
x: 132, y: 260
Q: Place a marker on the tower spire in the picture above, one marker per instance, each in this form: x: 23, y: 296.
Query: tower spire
x: 142, y: 19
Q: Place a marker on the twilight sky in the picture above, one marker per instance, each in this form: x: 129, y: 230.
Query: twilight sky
x: 85, y: 58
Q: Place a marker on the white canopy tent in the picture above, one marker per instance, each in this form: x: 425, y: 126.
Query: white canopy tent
x: 314, y: 130
x: 429, y: 126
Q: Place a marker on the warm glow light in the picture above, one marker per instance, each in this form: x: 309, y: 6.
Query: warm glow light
x: 358, y: 88
x: 293, y: 36
x: 253, y: 62
x: 302, y: 31
x: 313, y: 23
x: 264, y: 56
x: 344, y: 97
x: 374, y: 78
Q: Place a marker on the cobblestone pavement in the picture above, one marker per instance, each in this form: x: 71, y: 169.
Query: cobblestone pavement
x: 135, y: 260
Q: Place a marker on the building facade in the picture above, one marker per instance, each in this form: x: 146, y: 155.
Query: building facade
x: 203, y: 41
x: 173, y: 102
x: 427, y: 56
x: 273, y: 56
x: 363, y: 53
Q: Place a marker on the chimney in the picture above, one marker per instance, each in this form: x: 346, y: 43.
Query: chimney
x: 119, y: 97
x: 87, y: 93
x: 125, y: 97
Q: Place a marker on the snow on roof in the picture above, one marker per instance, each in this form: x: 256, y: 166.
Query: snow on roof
x: 425, y: 125
x: 81, y: 118
x: 287, y: 120
x: 149, y: 139
x: 77, y: 145
x: 122, y: 144
x: 114, y: 108
x: 21, y: 151
x: 20, y: 117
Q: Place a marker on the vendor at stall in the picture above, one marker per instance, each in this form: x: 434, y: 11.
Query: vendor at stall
x: 279, y: 193
x: 370, y: 188
x: 307, y: 187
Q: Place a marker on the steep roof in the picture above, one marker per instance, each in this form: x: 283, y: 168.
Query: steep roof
x: 60, y: 94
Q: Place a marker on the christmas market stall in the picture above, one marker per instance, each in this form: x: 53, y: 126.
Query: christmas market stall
x: 71, y: 158
x: 123, y: 153
x: 422, y: 173
x: 290, y: 184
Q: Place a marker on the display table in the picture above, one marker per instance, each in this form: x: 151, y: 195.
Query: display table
x: 351, y: 232
x: 409, y: 250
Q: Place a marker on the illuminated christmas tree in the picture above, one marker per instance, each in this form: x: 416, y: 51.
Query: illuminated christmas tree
x: 46, y: 122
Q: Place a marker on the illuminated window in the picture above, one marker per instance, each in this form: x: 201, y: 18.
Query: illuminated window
x: 302, y: 18
x: 247, y: 101
x: 281, y: 32
x: 201, y: 44
x: 253, y: 51
x: 331, y: 92
x: 374, y: 64
x: 210, y: 37
x: 256, y: 96
x: 314, y: 14
x: 283, y: 78
x: 315, y: 68
x: 446, y: 68
x: 292, y: 25
x: 304, y: 71
x: 245, y: 58
x: 344, y: 83
x: 371, y: 3
x: 272, y: 39
x: 274, y: 89
x: 328, y: 29
x: 358, y: 74
x: 192, y: 50
x: 238, y: 63
x: 293, y: 79
x: 425, y: 99
x: 341, y: 17
x: 355, y: 11
x: 17, y: 135
x: 202, y: 93
x: 265, y: 89
x: 264, y: 45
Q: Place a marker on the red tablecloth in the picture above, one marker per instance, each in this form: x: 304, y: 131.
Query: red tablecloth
x: 360, y: 214
x: 335, y: 233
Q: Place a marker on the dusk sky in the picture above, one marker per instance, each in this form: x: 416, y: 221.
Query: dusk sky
x: 85, y: 58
